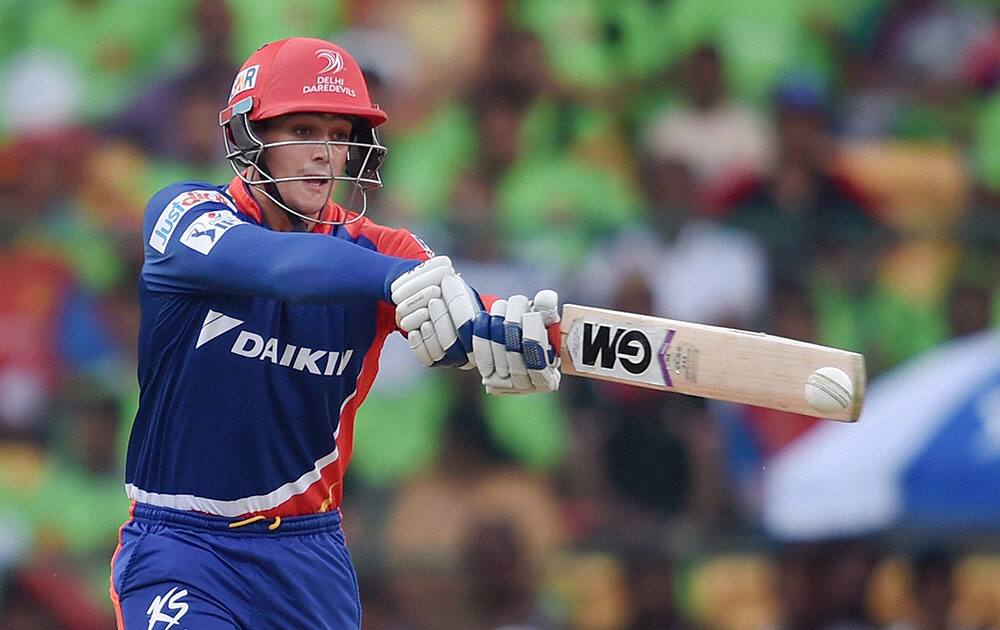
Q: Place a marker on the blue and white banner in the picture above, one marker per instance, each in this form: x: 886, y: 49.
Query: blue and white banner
x: 924, y: 455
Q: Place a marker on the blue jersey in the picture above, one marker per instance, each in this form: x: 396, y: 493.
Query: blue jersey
x: 256, y: 348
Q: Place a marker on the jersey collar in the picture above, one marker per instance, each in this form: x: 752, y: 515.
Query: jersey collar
x: 240, y: 192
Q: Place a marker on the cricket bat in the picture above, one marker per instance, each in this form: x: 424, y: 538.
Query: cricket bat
x: 712, y: 362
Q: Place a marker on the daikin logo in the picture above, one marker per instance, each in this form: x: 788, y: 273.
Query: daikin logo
x: 215, y: 324
x: 253, y: 346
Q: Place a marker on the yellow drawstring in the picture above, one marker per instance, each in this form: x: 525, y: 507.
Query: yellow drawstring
x: 253, y: 519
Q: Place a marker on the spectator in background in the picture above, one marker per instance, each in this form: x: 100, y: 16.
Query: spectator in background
x: 928, y: 42
x: 848, y: 566
x: 911, y: 74
x: 822, y: 585
x: 933, y: 592
x: 971, y: 293
x: 190, y: 151
x: 652, y: 592
x: 560, y: 164
x: 658, y: 454
x: 188, y: 96
x: 555, y: 204
x: 696, y: 268
x: 555, y: 123
x: 39, y: 91
x: 969, y: 309
x: 435, y: 512
x: 501, y: 578
x: 803, y: 207
x: 477, y: 242
x: 38, y: 178
x: 914, y: 66
x: 799, y: 587
x: 715, y: 138
x: 39, y: 600
x: 77, y: 475
x: 50, y: 323
x: 424, y: 77
x: 107, y: 48
x: 214, y: 32
x: 499, y: 108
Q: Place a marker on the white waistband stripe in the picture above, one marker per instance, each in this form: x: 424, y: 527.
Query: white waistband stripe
x: 235, y: 507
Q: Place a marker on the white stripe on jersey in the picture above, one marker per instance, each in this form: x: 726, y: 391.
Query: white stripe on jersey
x: 246, y: 505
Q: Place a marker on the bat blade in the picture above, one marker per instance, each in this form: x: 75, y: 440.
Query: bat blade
x: 701, y: 360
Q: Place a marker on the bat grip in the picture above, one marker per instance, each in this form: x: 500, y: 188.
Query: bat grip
x: 555, y: 337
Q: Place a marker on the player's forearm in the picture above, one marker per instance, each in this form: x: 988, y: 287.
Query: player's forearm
x: 318, y: 268
x: 291, y: 267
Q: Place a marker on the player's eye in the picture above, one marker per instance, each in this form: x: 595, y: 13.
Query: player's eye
x: 302, y: 131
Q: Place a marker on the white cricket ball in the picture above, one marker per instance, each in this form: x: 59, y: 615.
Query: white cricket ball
x: 829, y: 390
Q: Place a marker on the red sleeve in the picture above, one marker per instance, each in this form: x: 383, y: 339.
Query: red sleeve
x: 391, y: 241
x: 404, y: 244
x: 488, y: 300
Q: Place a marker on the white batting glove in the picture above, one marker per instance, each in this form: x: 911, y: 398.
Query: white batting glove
x: 511, y: 345
x: 412, y: 291
x: 540, y: 358
x: 435, y: 308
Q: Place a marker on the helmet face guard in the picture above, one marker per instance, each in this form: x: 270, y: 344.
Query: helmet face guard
x: 302, y: 75
x: 245, y: 151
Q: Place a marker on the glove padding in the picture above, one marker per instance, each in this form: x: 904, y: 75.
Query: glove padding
x: 511, y: 346
x: 413, y: 291
x: 435, y: 307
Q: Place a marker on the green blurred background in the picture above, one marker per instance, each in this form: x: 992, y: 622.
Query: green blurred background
x: 828, y: 171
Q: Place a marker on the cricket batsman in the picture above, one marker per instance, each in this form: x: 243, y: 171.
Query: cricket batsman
x: 264, y: 306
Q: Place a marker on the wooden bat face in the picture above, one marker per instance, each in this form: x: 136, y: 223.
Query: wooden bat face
x: 708, y: 361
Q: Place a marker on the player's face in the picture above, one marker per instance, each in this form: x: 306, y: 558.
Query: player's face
x: 301, y: 160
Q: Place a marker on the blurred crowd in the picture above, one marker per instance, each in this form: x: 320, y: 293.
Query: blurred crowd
x: 826, y: 171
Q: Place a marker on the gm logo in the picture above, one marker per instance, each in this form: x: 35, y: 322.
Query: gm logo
x: 621, y: 351
x: 606, y: 345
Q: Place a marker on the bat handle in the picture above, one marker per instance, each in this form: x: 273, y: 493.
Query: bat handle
x: 555, y: 337
x: 547, y: 302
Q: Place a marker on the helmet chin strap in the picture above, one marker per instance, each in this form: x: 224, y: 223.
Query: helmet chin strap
x: 270, y: 190
x: 296, y: 217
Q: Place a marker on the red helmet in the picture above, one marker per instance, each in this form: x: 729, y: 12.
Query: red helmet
x: 299, y: 75
x: 302, y: 74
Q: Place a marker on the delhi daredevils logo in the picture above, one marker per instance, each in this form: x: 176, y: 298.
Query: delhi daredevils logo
x: 334, y: 62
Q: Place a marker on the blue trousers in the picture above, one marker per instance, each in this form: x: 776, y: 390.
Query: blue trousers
x: 176, y: 570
